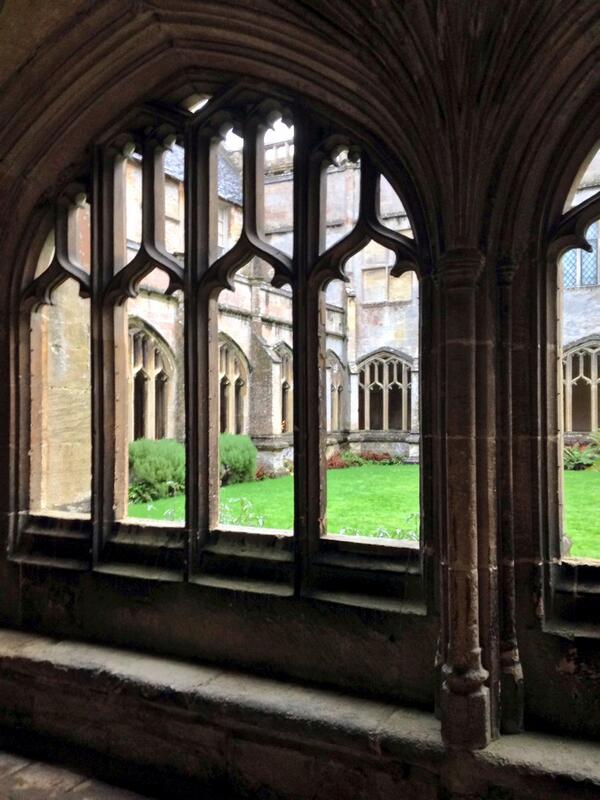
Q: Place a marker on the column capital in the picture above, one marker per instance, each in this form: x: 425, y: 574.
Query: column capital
x: 460, y: 268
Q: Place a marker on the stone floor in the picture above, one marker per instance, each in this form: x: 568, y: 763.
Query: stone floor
x: 23, y: 779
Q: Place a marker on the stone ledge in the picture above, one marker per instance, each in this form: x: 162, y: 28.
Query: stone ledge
x: 239, y: 734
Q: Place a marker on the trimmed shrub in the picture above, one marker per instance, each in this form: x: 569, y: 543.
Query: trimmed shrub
x: 157, y: 466
x: 156, y: 469
x: 237, y: 455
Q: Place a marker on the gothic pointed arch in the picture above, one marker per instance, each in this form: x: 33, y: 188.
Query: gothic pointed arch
x: 286, y: 382
x: 384, y: 385
x: 153, y: 371
x: 234, y: 374
x: 336, y: 387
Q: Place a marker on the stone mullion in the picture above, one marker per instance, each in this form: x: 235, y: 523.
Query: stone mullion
x: 150, y: 390
x: 511, y: 678
x: 386, y: 396
x: 415, y: 399
x: 130, y: 397
x: 366, y: 390
x: 231, y: 405
x: 568, y: 390
x: 290, y: 400
x: 405, y: 390
x: 309, y: 461
x: 594, y: 390
x: 465, y: 698
x: 109, y: 247
x: 200, y: 339
x: 351, y: 405
x: 328, y: 400
x: 153, y: 195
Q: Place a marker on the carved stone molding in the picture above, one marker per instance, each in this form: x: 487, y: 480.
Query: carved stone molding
x: 460, y: 268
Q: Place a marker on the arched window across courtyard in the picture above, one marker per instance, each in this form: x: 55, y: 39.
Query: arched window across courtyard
x: 581, y: 382
x: 335, y: 381
x: 233, y: 387
x: 152, y: 368
x: 287, y: 388
x: 384, y: 394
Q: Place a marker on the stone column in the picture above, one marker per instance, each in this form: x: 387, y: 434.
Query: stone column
x: 465, y: 700
x: 511, y: 678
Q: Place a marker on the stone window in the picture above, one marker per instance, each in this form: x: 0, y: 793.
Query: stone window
x: 233, y: 388
x: 151, y: 376
x: 153, y: 318
x: 287, y: 388
x: 384, y: 401
x: 335, y: 382
x: 59, y: 363
x: 573, y: 253
x: 581, y: 379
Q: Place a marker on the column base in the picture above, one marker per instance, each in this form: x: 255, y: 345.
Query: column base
x: 466, y: 718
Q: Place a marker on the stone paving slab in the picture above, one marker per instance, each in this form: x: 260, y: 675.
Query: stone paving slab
x: 22, y: 779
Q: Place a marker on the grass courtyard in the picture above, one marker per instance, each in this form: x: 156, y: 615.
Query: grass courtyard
x: 375, y: 500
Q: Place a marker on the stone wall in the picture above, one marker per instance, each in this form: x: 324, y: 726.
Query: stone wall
x: 61, y: 403
x: 581, y: 314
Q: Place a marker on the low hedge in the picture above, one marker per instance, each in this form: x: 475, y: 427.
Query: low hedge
x: 157, y: 466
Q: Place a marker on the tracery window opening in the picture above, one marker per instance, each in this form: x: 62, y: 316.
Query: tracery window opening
x: 233, y: 382
x: 139, y: 405
x: 367, y: 238
x: 581, y: 381
x: 117, y: 275
x: 385, y: 394
x: 58, y: 400
x: 335, y: 377
x: 160, y: 405
x: 287, y: 384
x: 151, y: 378
x: 573, y: 255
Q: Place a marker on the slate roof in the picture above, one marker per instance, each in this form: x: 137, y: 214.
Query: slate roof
x: 229, y: 177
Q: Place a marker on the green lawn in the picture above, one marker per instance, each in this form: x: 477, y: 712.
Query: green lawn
x: 376, y: 500
x: 373, y: 500
x: 582, y: 512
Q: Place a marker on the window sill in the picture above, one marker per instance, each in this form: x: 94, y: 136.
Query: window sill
x: 177, y: 721
x: 356, y: 571
x: 575, y: 606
